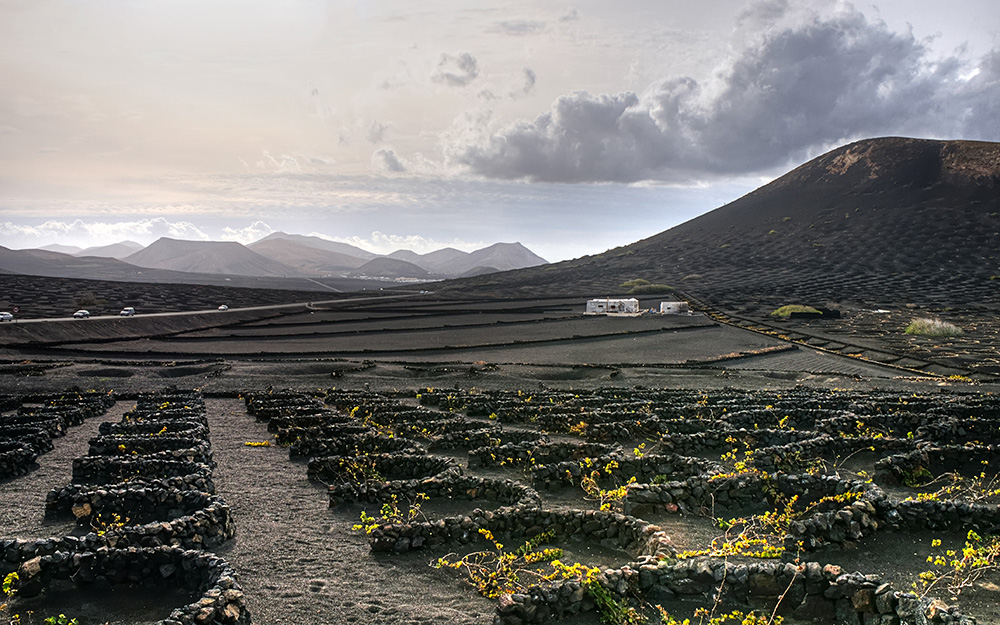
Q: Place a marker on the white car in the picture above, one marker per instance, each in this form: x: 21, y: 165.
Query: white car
x: 128, y: 311
x: 223, y: 308
x: 81, y: 314
x: 6, y: 316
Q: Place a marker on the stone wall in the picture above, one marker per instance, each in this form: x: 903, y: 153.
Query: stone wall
x: 40, y: 562
x: 148, y: 501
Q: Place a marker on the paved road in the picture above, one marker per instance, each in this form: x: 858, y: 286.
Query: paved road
x: 304, y: 305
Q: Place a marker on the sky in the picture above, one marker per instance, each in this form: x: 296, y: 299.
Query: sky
x: 572, y: 126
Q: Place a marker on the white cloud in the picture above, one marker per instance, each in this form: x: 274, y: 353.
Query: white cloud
x: 796, y: 83
x: 456, y: 70
x: 520, y: 27
x: 378, y: 131
x: 87, y: 233
x: 254, y: 232
x: 386, y: 160
x: 572, y: 16
x: 285, y: 163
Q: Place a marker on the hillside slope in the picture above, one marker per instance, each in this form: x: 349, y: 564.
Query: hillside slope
x: 304, y: 257
x: 888, y: 219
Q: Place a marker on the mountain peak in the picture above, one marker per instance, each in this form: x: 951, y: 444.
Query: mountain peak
x: 220, y: 257
x: 901, y: 160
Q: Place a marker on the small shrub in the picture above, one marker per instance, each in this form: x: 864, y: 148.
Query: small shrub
x: 785, y: 311
x: 7, y: 590
x: 392, y: 514
x: 916, y: 478
x: 496, y: 572
x: 933, y: 327
x: 735, y: 617
x: 633, y: 283
x: 693, y: 276
x: 102, y: 525
x: 610, y: 499
x: 650, y: 289
x: 957, y: 569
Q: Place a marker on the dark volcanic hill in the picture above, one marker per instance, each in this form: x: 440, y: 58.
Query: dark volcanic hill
x: 115, y: 250
x: 320, y: 244
x: 62, y: 249
x: 505, y: 256
x: 385, y: 267
x: 880, y: 220
x: 443, y: 262
x: 228, y: 257
x: 56, y: 264
x: 452, y: 262
x: 307, y: 258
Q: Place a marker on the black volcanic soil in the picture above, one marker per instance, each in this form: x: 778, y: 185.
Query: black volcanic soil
x: 413, y: 338
x: 299, y: 561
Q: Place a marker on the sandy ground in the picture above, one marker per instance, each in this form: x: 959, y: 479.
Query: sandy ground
x: 299, y: 561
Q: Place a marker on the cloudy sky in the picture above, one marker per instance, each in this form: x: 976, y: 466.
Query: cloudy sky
x: 572, y: 126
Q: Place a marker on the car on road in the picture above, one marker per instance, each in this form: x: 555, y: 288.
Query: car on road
x: 81, y: 314
x: 128, y: 311
x: 223, y: 308
x: 6, y: 316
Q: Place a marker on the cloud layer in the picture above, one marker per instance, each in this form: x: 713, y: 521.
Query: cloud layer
x: 797, y: 82
x: 99, y: 232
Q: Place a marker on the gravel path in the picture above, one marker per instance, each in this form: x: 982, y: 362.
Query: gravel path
x: 22, y: 514
x: 298, y: 560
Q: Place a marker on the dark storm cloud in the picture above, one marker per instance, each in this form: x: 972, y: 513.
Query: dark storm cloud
x: 981, y: 99
x: 456, y: 71
x: 790, y: 90
x: 387, y: 161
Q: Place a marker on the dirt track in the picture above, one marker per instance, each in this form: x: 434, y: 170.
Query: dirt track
x: 299, y: 561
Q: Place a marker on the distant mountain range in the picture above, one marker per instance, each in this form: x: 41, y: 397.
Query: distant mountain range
x: 115, y: 250
x: 315, y: 255
x: 279, y: 255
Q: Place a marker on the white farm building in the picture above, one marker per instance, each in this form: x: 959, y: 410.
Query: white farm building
x: 675, y: 308
x: 608, y: 306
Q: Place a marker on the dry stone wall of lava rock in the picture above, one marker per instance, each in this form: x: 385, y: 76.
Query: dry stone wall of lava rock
x: 143, y: 501
x: 674, y: 452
